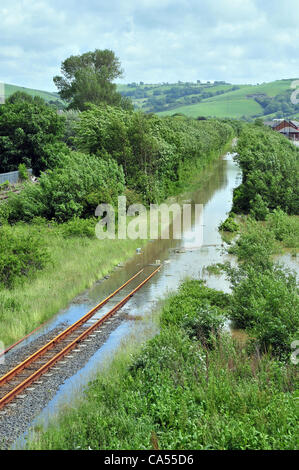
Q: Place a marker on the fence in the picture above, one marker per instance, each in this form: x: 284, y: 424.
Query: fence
x: 12, y: 176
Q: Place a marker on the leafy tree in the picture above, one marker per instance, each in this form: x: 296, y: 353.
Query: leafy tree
x: 269, y: 164
x: 30, y: 133
x: 21, y: 96
x: 88, y: 78
x: 152, y: 151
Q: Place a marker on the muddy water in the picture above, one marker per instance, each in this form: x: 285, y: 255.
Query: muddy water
x: 179, y: 258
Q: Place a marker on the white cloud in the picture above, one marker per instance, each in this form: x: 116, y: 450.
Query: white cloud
x: 156, y: 40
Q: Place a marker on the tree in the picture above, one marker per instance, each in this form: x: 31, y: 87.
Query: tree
x: 30, y: 133
x: 87, y: 78
x: 21, y: 97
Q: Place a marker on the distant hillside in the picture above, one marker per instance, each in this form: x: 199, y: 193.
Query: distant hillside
x: 217, y: 99
x: 49, y: 97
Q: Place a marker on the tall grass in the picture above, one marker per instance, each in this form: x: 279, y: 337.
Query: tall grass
x: 76, y: 263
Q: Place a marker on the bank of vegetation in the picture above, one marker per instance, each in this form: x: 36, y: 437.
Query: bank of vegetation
x: 192, y: 386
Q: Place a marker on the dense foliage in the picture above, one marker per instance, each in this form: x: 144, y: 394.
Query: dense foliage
x: 180, y: 393
x: 20, y: 257
x: 88, y: 78
x: 73, y: 189
x: 270, y: 167
x: 152, y: 151
x: 30, y: 133
x: 265, y: 297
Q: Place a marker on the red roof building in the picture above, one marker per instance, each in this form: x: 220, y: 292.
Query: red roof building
x: 289, y: 128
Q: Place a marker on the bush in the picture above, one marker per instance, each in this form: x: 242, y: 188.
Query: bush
x: 267, y: 304
x: 229, y: 225
x: 153, y: 151
x: 284, y: 227
x: 270, y: 167
x: 30, y: 134
x: 72, y: 190
x: 23, y: 173
x: 192, y: 300
x: 79, y: 228
x: 256, y: 245
x: 20, y: 257
x: 265, y: 297
x: 258, y: 208
x: 205, y: 326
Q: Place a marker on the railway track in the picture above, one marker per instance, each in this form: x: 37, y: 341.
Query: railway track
x: 18, y: 379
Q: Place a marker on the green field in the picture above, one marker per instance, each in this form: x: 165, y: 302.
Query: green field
x: 233, y: 104
x: 234, y: 108
x: 227, y: 100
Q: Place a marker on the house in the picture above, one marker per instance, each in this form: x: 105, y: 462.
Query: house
x: 289, y: 128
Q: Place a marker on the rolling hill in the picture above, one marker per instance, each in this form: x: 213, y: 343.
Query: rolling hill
x: 216, y: 99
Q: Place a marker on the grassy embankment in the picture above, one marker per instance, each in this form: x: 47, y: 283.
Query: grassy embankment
x: 76, y: 263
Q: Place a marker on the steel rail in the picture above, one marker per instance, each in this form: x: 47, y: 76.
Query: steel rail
x: 37, y: 374
x: 13, y: 372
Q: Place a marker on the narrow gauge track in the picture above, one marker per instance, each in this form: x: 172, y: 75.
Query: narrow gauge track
x: 31, y: 369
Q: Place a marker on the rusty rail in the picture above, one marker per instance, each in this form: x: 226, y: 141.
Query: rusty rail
x: 5, y: 378
x: 44, y: 368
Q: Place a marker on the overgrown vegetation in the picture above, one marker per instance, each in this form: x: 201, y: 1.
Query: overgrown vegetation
x: 120, y: 151
x: 82, y: 159
x: 265, y: 298
x: 270, y: 169
x: 191, y: 387
x: 21, y: 255
x: 73, y: 189
x: 30, y: 134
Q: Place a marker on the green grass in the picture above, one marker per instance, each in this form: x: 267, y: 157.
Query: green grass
x: 234, y: 108
x: 76, y: 264
x: 179, y: 394
x: 233, y: 104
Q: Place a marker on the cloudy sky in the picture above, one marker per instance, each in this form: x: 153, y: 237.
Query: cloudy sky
x: 240, y: 41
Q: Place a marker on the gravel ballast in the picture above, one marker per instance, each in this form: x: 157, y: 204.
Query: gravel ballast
x: 16, y: 417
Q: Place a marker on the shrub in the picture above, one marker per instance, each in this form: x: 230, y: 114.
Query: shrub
x: 72, y: 190
x: 205, y: 326
x: 267, y: 304
x: 23, y: 173
x: 79, y: 228
x: 20, y: 257
x: 269, y: 164
x: 30, y: 134
x: 258, y: 208
x: 284, y: 227
x: 229, y: 225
